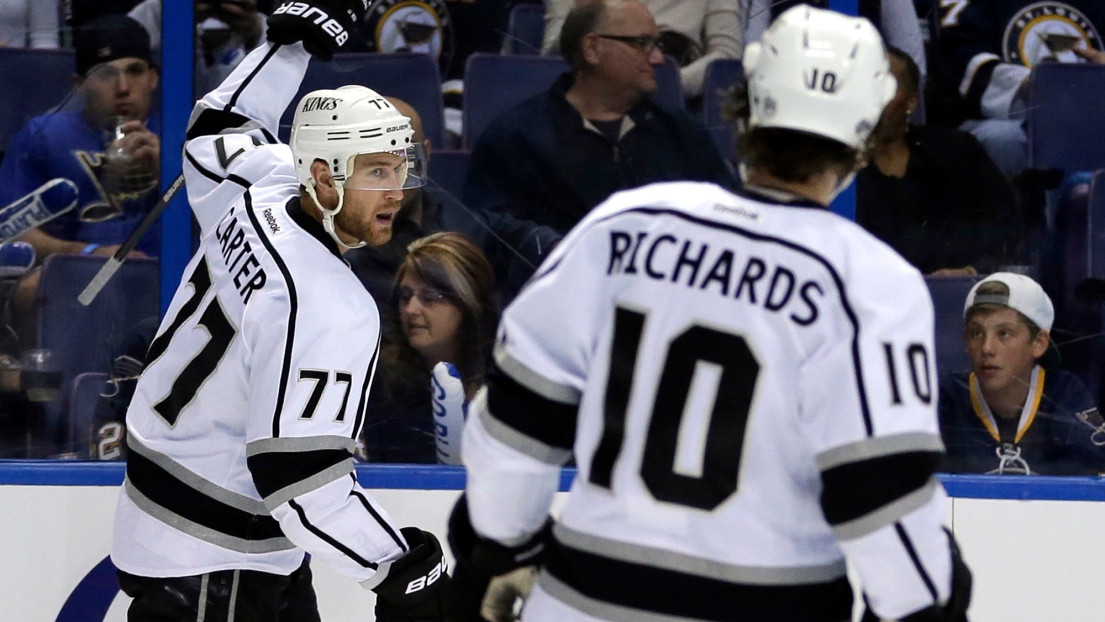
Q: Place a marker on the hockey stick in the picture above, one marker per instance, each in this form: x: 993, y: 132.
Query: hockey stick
x: 112, y: 266
x: 37, y: 208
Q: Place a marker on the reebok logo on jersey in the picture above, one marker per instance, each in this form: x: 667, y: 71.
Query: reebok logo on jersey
x: 422, y: 583
x: 737, y: 210
x: 329, y: 25
x: 271, y: 220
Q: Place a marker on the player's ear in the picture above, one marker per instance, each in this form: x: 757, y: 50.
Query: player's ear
x: 1040, y: 343
x: 324, y: 184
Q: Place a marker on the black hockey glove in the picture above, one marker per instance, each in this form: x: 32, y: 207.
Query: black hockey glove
x: 415, y: 586
x: 478, y: 561
x: 324, y: 26
x: 956, y: 608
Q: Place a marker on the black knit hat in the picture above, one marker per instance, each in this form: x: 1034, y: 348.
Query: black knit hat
x: 108, y: 38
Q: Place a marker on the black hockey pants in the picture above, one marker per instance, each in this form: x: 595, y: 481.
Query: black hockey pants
x: 223, y: 596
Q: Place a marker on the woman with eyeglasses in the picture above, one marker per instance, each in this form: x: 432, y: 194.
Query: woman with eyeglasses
x: 441, y: 311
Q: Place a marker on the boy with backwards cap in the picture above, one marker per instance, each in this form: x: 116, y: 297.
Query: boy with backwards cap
x: 1010, y: 414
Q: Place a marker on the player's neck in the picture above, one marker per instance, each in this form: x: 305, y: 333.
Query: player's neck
x: 892, y: 158
x: 1008, y: 401
x: 820, y: 188
x: 598, y: 101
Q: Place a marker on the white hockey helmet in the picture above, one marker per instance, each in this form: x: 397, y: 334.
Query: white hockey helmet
x: 819, y: 72
x: 337, y: 125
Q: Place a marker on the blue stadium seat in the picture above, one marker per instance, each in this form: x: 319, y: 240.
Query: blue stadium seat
x: 721, y: 75
x: 82, y: 398
x: 411, y: 77
x: 81, y: 338
x: 31, y: 83
x: 1066, y: 121
x: 948, y: 296
x: 448, y: 170
x: 494, y: 83
x: 525, y: 30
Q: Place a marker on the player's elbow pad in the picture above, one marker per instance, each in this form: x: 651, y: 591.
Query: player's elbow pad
x: 415, y: 585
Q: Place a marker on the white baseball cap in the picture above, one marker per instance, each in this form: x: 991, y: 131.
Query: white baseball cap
x: 1025, y: 296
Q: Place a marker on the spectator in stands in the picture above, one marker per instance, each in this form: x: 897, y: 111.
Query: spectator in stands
x: 29, y: 23
x: 896, y: 20
x: 932, y: 193
x: 419, y: 215
x: 442, y: 312
x: 107, y: 143
x: 693, y: 33
x: 540, y: 167
x: 985, y: 51
x: 225, y: 32
x: 110, y: 117
x: 1010, y: 414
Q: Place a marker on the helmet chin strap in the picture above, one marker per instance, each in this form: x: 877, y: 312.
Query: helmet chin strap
x: 328, y: 215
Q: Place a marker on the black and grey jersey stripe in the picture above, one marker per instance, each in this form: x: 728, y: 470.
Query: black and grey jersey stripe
x: 655, y: 585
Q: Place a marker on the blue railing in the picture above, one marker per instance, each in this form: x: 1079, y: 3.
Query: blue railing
x: 437, y: 477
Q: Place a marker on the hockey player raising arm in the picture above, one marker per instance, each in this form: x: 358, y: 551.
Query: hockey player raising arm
x: 242, y: 427
x: 745, y: 382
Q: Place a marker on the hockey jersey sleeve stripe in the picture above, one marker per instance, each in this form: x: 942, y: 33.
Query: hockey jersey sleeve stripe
x: 327, y: 538
x: 293, y: 311
x: 296, y: 444
x: 200, y: 169
x: 907, y: 544
x: 651, y: 556
x: 253, y: 74
x: 177, y: 499
x: 362, y: 407
x: 384, y: 524
x: 550, y: 423
x: 533, y: 381
x: 619, y: 590
x: 178, y: 472
x: 282, y: 476
x: 887, y: 514
x: 202, y: 532
x: 886, y: 479
x: 878, y: 446
x: 210, y: 122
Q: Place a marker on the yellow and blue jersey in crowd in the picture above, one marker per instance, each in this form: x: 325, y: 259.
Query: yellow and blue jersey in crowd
x: 1058, y: 432
x: 63, y: 145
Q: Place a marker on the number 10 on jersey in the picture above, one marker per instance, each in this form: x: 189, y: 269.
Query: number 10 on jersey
x: 724, y: 434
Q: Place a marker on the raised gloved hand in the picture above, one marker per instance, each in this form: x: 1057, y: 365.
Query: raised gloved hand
x: 489, y: 577
x: 415, y: 585
x: 324, y: 26
x: 450, y: 411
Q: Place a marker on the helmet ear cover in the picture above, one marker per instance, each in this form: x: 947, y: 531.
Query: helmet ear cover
x: 819, y: 72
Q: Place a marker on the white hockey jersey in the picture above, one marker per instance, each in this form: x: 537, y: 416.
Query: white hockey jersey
x: 747, y: 389
x: 242, y: 426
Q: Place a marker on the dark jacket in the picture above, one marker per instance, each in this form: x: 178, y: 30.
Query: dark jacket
x: 537, y: 170
x: 1051, y: 436
x: 952, y: 209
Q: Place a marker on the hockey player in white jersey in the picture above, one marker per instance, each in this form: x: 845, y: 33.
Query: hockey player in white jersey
x: 745, y: 381
x: 242, y: 427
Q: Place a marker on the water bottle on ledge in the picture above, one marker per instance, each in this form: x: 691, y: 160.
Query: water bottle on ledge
x: 40, y: 381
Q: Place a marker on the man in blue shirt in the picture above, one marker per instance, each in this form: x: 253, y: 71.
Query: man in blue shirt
x: 104, y: 140
x: 117, y: 179
x: 1010, y: 414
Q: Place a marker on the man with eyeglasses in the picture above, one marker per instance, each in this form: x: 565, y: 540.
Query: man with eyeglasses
x: 543, y: 165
